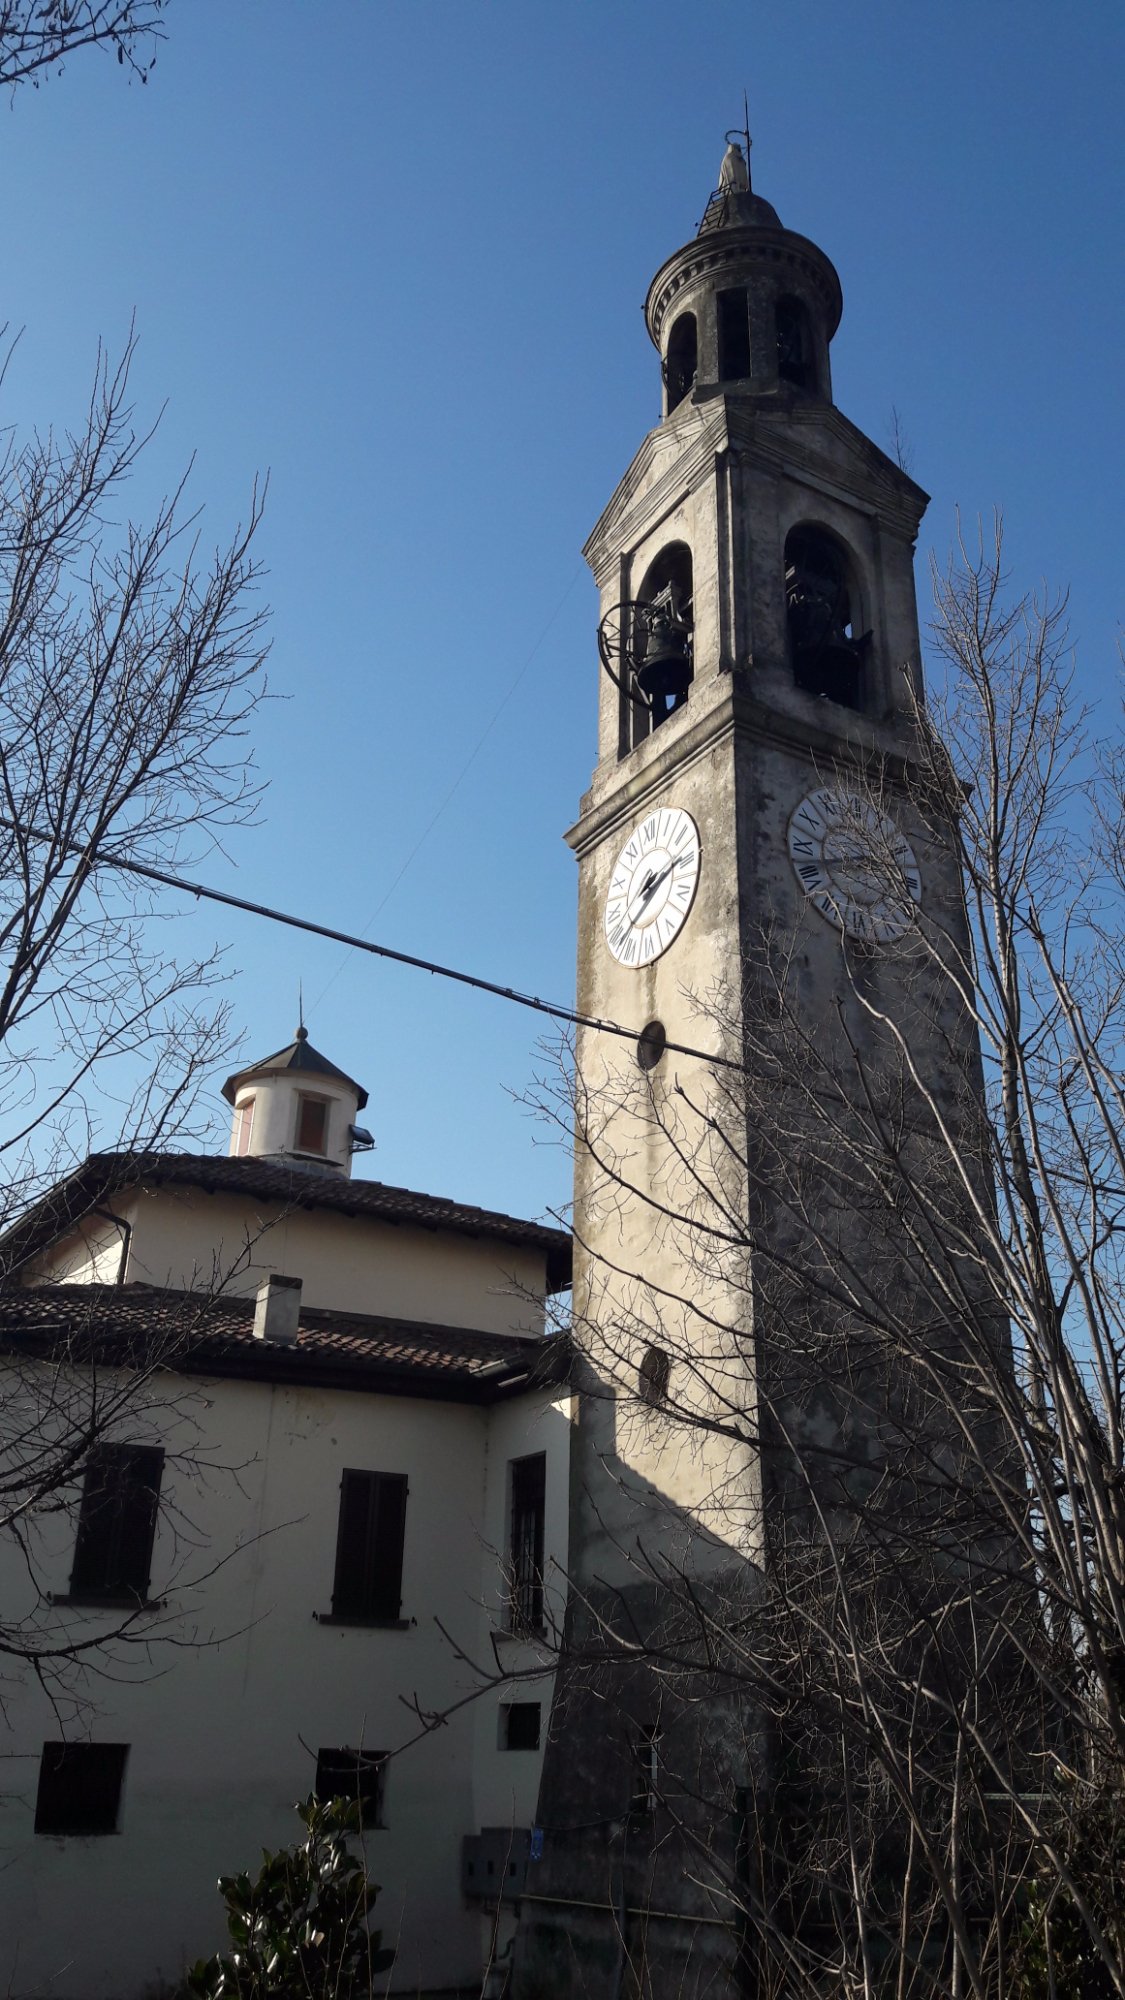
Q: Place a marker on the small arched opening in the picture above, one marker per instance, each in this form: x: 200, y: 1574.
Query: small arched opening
x: 794, y: 343
x: 663, y: 640
x: 681, y: 360
x: 827, y: 650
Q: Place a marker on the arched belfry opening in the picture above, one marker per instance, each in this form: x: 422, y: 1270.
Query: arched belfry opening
x: 681, y: 360
x: 794, y: 344
x: 663, y: 637
x: 827, y: 649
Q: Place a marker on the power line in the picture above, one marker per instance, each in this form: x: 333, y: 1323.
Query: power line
x: 97, y: 858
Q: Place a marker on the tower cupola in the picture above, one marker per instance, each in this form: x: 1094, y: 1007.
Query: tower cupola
x: 298, y: 1109
x: 747, y: 305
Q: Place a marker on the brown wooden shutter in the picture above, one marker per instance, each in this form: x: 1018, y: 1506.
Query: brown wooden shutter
x: 117, y: 1521
x: 369, y: 1545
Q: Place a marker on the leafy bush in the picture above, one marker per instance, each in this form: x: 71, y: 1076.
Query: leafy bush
x: 300, y: 1930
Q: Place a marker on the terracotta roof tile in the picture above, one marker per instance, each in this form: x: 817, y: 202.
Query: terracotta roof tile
x: 199, y: 1334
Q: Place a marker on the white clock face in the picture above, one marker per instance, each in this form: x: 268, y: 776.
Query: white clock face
x: 854, y: 865
x: 653, y: 886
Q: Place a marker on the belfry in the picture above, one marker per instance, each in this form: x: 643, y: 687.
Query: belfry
x: 748, y: 825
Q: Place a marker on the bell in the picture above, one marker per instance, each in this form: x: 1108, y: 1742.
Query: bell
x: 664, y: 675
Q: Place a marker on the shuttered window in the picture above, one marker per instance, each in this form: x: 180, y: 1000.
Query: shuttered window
x: 117, y: 1521
x: 353, y: 1774
x: 80, y: 1788
x: 369, y: 1545
x: 525, y: 1549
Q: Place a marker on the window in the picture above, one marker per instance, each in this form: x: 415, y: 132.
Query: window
x: 312, y: 1124
x: 680, y: 364
x: 369, y: 1546
x: 353, y: 1774
x: 663, y: 639
x: 734, y: 335
x: 794, y: 343
x: 519, y: 1725
x: 117, y: 1522
x: 243, y: 1127
x: 826, y: 651
x: 646, y: 1772
x: 653, y: 1375
x: 80, y: 1787
x: 525, y: 1543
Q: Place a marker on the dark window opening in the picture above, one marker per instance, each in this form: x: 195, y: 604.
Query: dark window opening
x: 525, y: 1543
x: 794, y: 344
x: 734, y: 335
x: 664, y: 643
x: 312, y: 1125
x: 117, y: 1522
x: 827, y: 655
x: 80, y: 1787
x: 369, y: 1546
x: 681, y: 360
x: 519, y: 1725
x: 354, y: 1774
x: 654, y: 1375
x: 644, y: 1792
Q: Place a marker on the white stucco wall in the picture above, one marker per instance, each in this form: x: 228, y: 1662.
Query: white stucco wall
x: 186, y: 1238
x: 223, y: 1725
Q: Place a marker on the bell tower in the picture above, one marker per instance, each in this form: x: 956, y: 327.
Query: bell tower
x: 759, y: 639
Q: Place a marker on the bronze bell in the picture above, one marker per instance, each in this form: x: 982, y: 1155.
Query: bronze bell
x: 664, y: 674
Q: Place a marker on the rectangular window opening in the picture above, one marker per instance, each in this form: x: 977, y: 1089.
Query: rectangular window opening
x: 734, y: 335
x: 80, y: 1786
x: 519, y: 1725
x: 644, y: 1795
x: 369, y: 1546
x: 312, y: 1125
x: 525, y: 1543
x: 243, y: 1128
x: 117, y: 1522
x: 354, y: 1774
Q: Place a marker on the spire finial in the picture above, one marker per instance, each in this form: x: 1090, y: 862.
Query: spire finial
x: 302, y: 1031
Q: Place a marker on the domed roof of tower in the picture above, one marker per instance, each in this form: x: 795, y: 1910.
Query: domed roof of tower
x: 734, y: 205
x: 299, y: 1055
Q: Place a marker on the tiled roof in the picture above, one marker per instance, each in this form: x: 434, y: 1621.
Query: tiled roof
x: 195, y: 1333
x: 298, y: 1054
x: 104, y: 1174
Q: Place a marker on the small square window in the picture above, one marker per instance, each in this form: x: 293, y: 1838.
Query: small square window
x: 353, y: 1774
x: 312, y: 1125
x: 80, y: 1788
x: 519, y: 1725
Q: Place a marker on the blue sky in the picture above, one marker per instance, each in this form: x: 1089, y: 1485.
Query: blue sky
x: 396, y: 255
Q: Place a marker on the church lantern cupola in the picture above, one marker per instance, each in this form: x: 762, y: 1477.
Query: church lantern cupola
x: 298, y: 1110
x: 747, y: 303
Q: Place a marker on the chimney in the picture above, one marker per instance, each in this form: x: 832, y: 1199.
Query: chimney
x: 277, y: 1310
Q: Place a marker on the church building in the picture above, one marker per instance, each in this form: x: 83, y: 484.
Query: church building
x: 304, y: 1446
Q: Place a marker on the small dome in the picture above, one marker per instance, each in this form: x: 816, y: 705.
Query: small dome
x: 301, y: 1055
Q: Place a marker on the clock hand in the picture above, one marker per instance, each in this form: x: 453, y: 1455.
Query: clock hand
x: 653, y: 882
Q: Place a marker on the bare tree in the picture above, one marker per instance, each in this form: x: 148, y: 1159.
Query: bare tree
x: 894, y: 1360
x: 37, y: 36
x: 130, y: 666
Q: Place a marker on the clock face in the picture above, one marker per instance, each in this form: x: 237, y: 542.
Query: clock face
x: 854, y: 865
x: 653, y: 886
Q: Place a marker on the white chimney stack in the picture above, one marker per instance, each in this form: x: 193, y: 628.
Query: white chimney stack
x: 277, y: 1310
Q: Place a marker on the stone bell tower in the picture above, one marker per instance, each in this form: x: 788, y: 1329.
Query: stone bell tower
x: 760, y: 643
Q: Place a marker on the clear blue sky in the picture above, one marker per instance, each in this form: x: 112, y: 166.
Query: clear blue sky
x: 396, y: 254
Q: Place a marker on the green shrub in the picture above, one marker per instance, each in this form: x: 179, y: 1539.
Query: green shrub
x: 300, y: 1929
